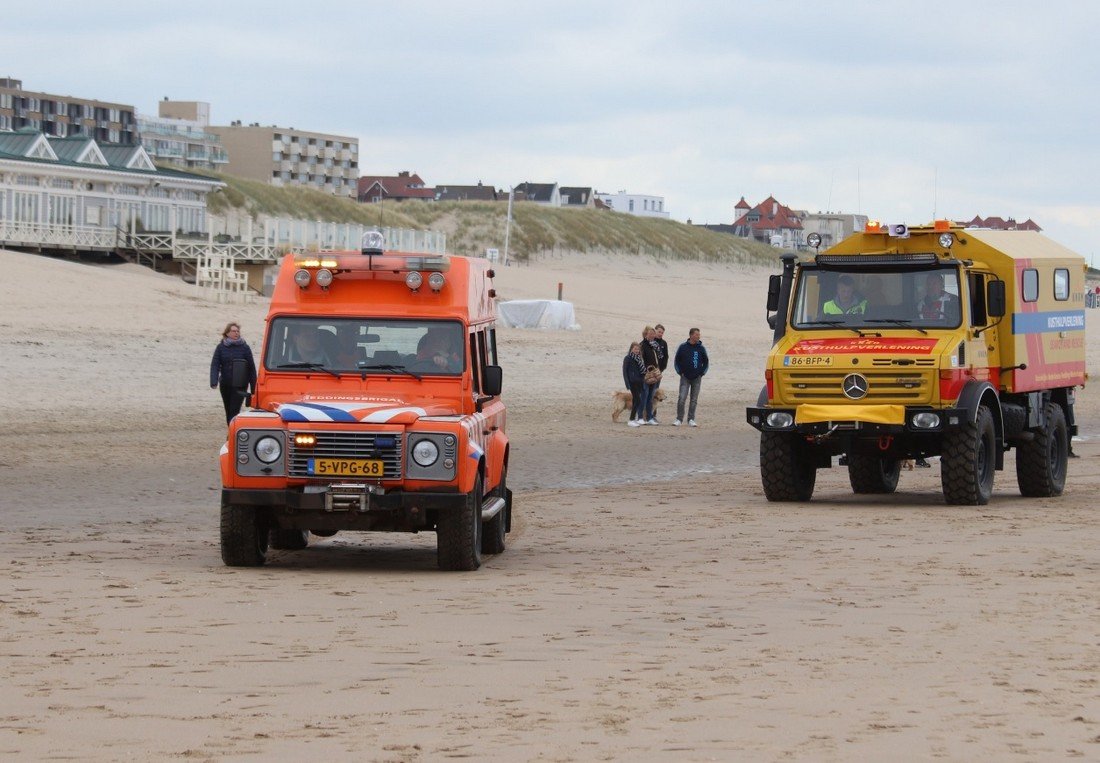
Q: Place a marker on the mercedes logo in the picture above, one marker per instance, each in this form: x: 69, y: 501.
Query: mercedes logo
x: 854, y: 386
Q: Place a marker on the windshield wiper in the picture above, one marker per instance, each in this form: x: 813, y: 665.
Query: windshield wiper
x: 389, y: 367
x: 831, y: 323
x: 310, y: 366
x: 898, y: 322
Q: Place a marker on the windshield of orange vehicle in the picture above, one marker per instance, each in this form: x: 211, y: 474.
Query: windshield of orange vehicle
x: 857, y: 299
x: 364, y: 345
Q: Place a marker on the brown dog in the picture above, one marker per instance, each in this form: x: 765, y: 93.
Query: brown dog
x: 621, y: 401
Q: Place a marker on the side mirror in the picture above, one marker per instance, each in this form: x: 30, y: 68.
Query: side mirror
x: 238, y: 377
x: 995, y: 306
x: 774, y: 285
x: 491, y: 378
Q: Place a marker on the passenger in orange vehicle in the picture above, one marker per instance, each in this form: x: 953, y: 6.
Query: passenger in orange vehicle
x: 435, y: 352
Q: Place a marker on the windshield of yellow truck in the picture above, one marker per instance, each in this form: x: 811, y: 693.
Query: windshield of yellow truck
x: 885, y: 298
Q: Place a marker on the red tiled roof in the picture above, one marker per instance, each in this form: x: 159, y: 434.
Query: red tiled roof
x: 405, y: 185
x: 769, y: 215
x: 997, y: 223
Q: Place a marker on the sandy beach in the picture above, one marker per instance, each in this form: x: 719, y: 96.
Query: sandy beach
x: 651, y: 604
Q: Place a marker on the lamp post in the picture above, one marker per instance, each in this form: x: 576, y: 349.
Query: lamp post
x: 508, y: 222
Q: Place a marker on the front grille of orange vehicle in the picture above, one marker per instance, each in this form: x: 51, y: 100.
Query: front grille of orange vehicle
x: 894, y: 386
x: 354, y: 445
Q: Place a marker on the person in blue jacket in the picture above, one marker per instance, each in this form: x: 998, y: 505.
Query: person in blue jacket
x: 231, y: 348
x: 634, y: 378
x: 691, y: 363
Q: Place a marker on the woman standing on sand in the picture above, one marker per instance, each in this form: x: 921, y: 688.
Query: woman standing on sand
x: 634, y: 378
x: 650, y: 358
x: 231, y: 348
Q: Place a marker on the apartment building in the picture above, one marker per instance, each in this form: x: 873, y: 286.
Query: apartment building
x: 283, y: 156
x: 64, y: 115
x: 637, y: 204
x: 178, y: 136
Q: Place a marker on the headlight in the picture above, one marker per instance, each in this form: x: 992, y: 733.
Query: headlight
x: 413, y: 280
x: 324, y: 278
x: 780, y: 419
x: 926, y: 420
x: 301, y: 277
x: 268, y: 449
x: 946, y: 240
x: 435, y: 281
x: 425, y: 453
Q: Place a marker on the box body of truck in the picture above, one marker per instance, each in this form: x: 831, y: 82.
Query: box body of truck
x: 377, y: 407
x: 904, y: 343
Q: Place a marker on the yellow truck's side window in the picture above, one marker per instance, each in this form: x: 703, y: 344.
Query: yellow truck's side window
x: 1061, y: 284
x: 1031, y: 285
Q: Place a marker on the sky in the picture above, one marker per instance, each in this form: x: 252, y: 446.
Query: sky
x: 902, y: 111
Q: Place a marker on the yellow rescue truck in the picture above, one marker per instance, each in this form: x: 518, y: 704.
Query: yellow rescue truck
x: 902, y: 343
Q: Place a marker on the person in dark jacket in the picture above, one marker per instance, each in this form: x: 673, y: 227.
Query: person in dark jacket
x: 661, y: 346
x: 231, y: 348
x: 634, y: 378
x: 651, y: 358
x: 691, y: 363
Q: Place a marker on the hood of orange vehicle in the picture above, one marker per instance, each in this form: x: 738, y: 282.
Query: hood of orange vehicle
x: 371, y: 410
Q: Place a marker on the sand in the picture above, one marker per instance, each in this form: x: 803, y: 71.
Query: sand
x: 651, y: 604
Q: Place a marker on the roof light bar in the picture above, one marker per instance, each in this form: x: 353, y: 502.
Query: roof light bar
x: 834, y: 260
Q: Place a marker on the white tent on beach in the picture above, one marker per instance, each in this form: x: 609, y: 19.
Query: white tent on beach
x: 537, y: 314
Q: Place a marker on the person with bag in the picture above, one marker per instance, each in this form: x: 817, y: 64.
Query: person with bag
x: 231, y: 347
x: 652, y: 376
x: 634, y: 378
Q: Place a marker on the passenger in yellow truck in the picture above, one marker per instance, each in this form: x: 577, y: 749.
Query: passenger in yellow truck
x: 847, y: 300
x: 937, y: 304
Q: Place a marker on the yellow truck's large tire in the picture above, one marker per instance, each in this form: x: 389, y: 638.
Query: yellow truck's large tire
x: 969, y: 460
x: 458, y: 533
x: 786, y: 470
x: 871, y: 474
x: 244, y: 536
x: 1041, y: 464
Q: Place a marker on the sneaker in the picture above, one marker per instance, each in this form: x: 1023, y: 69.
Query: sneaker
x: 676, y: 423
x: 922, y: 464
x: 691, y: 423
x: 634, y: 423
x: 652, y: 422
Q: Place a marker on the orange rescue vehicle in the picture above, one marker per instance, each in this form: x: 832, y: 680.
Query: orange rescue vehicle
x: 377, y: 407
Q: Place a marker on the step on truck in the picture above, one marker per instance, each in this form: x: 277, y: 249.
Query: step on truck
x: 377, y: 407
x: 906, y: 343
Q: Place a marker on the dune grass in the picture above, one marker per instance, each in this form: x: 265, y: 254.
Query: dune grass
x: 472, y: 226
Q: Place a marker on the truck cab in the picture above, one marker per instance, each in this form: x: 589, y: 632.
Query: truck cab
x: 377, y: 408
x: 901, y: 343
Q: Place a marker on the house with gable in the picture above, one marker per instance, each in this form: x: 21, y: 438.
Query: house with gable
x: 479, y: 192
x: 769, y: 222
x: 400, y: 187
x: 577, y: 196
x: 539, y: 193
x: 77, y: 192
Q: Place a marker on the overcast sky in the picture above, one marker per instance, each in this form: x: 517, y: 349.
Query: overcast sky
x: 898, y: 110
